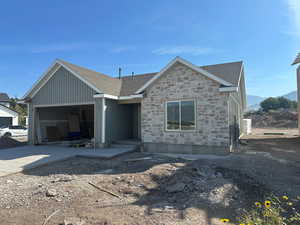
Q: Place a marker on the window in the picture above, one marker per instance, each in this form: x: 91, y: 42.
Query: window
x: 180, y: 115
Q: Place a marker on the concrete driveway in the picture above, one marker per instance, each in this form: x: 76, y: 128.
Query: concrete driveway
x: 17, y: 159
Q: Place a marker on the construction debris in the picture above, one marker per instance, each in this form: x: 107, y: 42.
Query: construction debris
x: 73, y: 221
x: 138, y: 159
x: 49, y: 217
x: 51, y: 193
x: 104, y: 190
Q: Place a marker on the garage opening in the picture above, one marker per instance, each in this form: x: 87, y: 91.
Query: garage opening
x: 67, y: 123
x: 5, y: 121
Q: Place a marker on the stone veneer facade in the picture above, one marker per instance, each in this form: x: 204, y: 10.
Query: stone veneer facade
x: 212, y: 124
x: 298, y: 84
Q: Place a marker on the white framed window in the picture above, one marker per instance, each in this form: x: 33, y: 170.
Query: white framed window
x: 181, y: 115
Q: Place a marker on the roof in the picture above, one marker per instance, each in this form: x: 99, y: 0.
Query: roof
x: 4, y: 97
x: 297, y: 60
x: 130, y: 84
x: 104, y: 83
x: 9, y: 109
x: 227, y: 74
x: 226, y: 71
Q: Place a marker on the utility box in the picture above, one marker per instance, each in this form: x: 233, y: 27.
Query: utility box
x: 247, y: 128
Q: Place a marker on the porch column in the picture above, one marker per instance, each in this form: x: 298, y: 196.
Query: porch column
x: 31, y: 124
x: 99, y: 122
x: 298, y: 84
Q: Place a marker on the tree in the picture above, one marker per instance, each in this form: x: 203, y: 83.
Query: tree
x: 20, y: 108
x: 269, y: 104
x: 277, y: 103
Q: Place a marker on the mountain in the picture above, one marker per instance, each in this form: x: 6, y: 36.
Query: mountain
x: 253, y: 101
x: 291, y: 96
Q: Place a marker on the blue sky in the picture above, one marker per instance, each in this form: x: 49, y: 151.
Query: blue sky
x: 143, y: 36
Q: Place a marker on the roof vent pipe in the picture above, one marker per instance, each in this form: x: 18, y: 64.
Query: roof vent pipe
x: 120, y: 71
x: 132, y: 74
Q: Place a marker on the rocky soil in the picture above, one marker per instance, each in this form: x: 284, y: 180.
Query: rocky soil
x: 141, y: 188
x: 149, y: 190
x: 275, y: 119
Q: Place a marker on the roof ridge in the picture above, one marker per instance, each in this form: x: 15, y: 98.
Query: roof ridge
x: 141, y: 74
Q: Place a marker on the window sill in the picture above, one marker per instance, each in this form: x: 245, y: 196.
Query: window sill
x: 181, y: 131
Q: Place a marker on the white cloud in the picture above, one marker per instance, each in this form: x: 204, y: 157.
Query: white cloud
x: 183, y: 49
x: 294, y: 11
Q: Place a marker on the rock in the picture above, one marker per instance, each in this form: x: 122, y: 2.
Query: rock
x: 9, y: 181
x: 51, y: 193
x: 63, y: 179
x: 176, y: 187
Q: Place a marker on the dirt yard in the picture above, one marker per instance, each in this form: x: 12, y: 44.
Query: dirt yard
x: 153, y: 189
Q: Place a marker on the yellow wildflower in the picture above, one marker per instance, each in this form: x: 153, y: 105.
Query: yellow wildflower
x: 290, y: 203
x: 285, y: 197
x: 267, y: 204
x: 257, y: 204
x: 298, y: 197
x: 224, y: 220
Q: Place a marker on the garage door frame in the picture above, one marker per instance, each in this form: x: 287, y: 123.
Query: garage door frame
x: 36, y: 121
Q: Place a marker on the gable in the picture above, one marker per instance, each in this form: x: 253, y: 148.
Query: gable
x: 180, y: 76
x: 63, y: 88
x: 188, y: 64
x: 179, y: 80
x: 7, y: 112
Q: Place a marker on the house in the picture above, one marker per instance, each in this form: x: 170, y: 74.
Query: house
x: 297, y: 61
x: 183, y: 108
x: 7, y: 115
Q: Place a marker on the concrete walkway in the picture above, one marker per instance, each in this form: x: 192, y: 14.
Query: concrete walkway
x: 15, y: 160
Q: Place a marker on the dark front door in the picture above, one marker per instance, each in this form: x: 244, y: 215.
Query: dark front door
x: 5, y: 121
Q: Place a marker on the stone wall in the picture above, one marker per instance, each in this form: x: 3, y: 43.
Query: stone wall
x: 298, y: 82
x: 179, y: 83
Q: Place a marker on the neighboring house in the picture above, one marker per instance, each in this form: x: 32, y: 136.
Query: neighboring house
x: 183, y: 108
x: 7, y: 115
x: 297, y: 61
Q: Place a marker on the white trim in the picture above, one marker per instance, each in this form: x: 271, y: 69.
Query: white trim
x: 131, y: 97
x: 9, y: 111
x: 65, y: 104
x: 106, y: 96
x: 45, y: 82
x: 180, y: 101
x: 236, y: 101
x: 40, y: 79
x: 192, y: 66
x: 228, y: 89
x: 80, y: 77
x: 103, y: 120
x: 118, y: 98
x: 61, y: 64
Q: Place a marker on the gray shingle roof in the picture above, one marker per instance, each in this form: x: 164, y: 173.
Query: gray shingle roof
x: 297, y: 60
x: 229, y: 72
x: 104, y: 83
x: 131, y: 84
x: 4, y: 97
x: 128, y: 85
